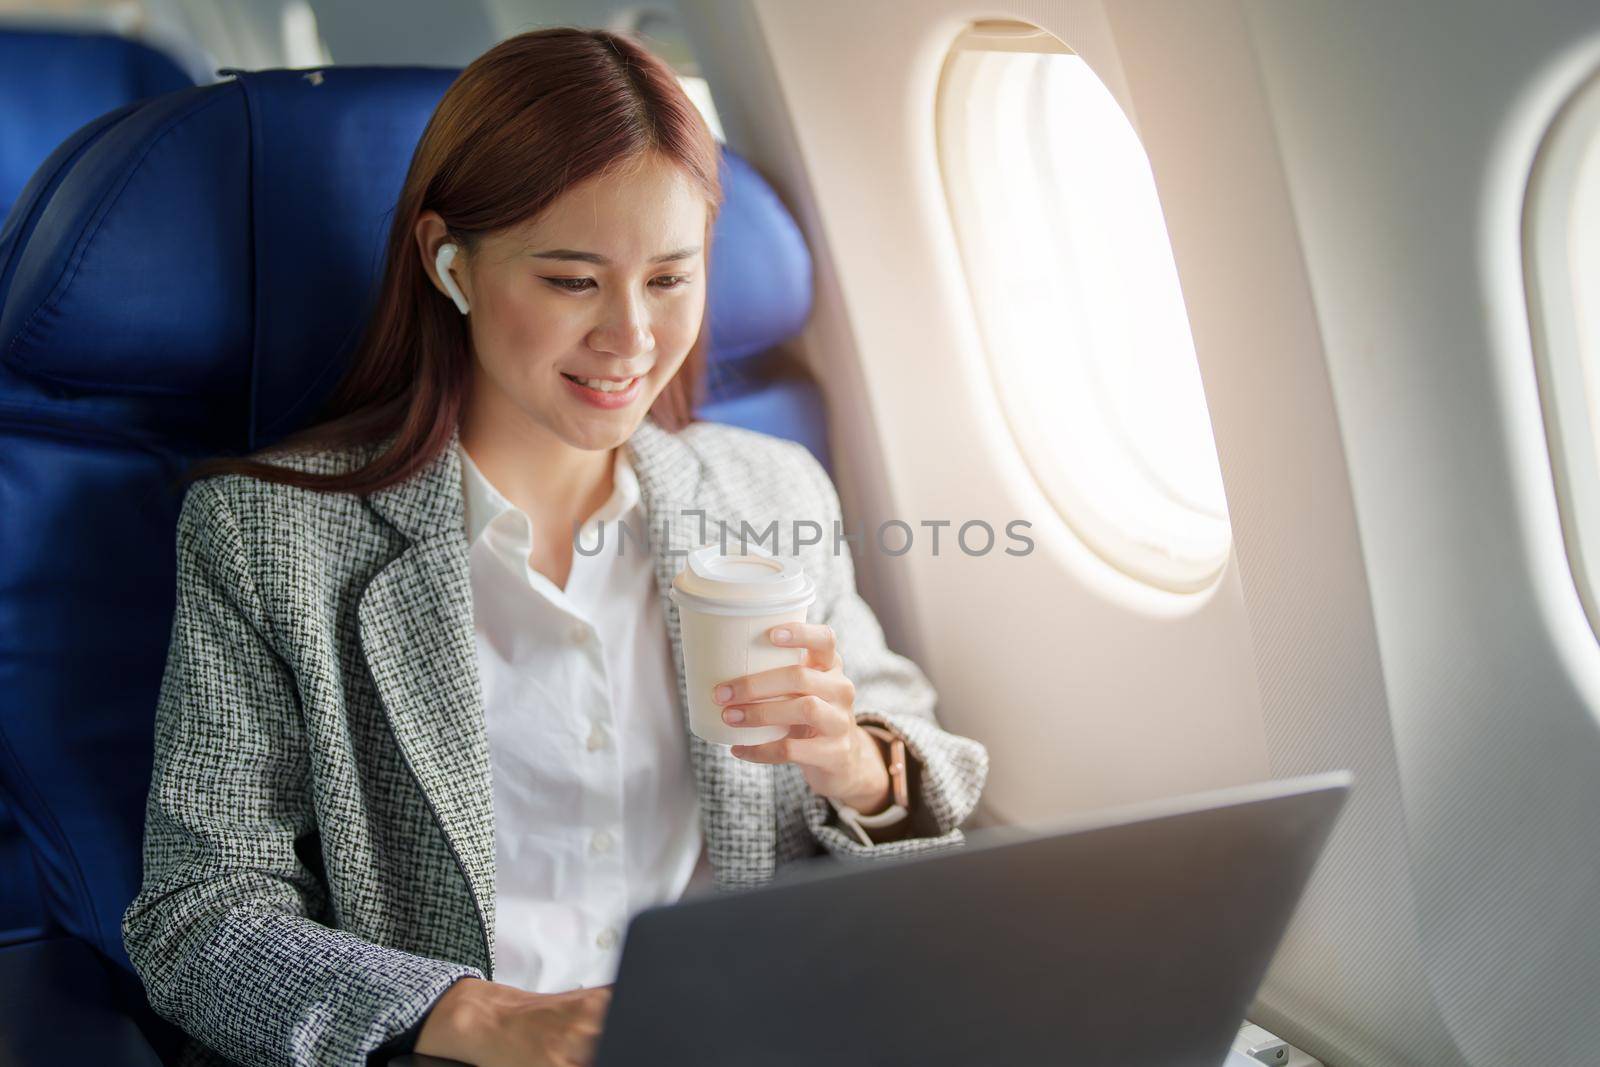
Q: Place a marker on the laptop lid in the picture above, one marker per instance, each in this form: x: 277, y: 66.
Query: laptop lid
x: 1136, y: 935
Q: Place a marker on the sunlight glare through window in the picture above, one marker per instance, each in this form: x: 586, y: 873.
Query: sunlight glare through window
x: 1078, y: 303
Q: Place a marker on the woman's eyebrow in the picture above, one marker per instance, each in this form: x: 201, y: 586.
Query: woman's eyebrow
x: 595, y: 257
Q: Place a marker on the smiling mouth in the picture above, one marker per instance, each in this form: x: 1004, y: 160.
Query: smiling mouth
x: 603, y: 385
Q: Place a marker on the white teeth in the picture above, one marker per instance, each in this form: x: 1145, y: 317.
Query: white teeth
x: 605, y: 386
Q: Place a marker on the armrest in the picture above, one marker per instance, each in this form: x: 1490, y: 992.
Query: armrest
x: 60, y: 1006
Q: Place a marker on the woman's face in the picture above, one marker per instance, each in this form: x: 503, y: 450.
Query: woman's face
x: 607, y: 283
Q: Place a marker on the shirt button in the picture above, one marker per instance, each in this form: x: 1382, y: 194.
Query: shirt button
x: 597, y: 738
x: 580, y: 633
x: 601, y: 842
x: 607, y: 938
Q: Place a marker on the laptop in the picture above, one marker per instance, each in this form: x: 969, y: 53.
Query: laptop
x: 1130, y: 937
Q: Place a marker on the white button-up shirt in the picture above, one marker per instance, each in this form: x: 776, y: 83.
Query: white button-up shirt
x: 596, y: 811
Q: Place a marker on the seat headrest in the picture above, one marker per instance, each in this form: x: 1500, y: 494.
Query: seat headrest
x: 221, y: 243
x: 52, y: 82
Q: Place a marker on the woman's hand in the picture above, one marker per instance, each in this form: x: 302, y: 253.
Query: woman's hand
x: 491, y: 1024
x: 839, y: 759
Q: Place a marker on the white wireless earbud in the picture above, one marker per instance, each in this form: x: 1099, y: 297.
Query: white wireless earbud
x: 441, y: 263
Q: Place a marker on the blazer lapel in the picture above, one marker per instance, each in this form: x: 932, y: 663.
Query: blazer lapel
x: 738, y: 812
x: 416, y: 629
x: 415, y: 619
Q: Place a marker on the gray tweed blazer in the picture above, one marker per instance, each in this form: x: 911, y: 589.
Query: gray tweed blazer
x: 319, y: 838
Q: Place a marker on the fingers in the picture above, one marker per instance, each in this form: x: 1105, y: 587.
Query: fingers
x: 583, y: 1035
x: 587, y: 1005
x: 807, y: 716
x: 822, y: 650
x: 831, y: 686
x: 812, y: 752
x: 596, y: 1004
x: 579, y: 1049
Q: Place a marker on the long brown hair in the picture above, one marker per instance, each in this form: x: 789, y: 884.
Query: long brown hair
x: 524, y: 122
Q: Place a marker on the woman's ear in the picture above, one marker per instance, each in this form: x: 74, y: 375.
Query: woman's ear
x: 441, y: 258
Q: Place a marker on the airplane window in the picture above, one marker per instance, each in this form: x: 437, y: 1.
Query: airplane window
x: 302, y: 41
x: 1561, y: 260
x: 699, y: 90
x: 665, y: 37
x: 1077, y: 301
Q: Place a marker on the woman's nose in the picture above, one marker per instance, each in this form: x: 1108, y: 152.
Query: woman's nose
x: 625, y: 331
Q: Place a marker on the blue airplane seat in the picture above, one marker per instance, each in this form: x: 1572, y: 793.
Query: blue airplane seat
x: 52, y: 82
x: 760, y: 296
x: 22, y: 912
x: 156, y: 308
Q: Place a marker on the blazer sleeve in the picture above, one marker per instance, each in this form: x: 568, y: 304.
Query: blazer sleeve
x: 225, y: 932
x: 945, y: 771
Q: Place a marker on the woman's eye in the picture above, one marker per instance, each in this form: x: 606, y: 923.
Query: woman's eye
x: 580, y: 285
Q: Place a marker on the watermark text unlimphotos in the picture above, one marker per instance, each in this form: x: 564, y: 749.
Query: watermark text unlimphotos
x: 892, y: 537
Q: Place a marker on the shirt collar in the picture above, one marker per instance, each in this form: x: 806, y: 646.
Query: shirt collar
x: 483, y: 503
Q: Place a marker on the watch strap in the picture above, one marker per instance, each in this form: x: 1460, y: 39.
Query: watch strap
x: 896, y: 762
x: 858, y: 822
x: 900, y: 800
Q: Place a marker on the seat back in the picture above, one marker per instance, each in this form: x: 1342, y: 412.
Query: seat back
x: 156, y: 306
x: 51, y: 83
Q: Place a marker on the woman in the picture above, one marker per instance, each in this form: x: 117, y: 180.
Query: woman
x: 417, y: 761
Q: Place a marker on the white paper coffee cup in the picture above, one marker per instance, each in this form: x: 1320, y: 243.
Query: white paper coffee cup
x: 726, y: 605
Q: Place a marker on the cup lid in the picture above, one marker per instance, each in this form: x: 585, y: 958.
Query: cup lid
x: 748, y: 578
